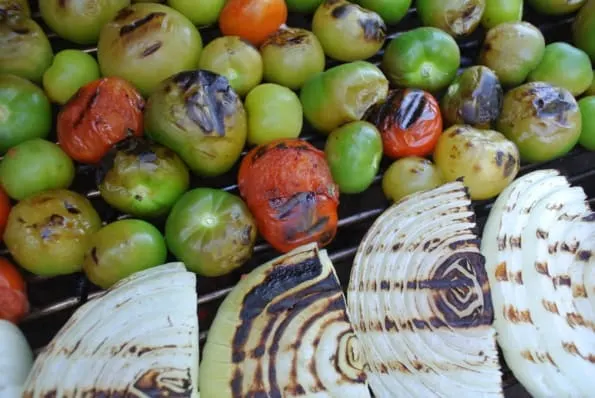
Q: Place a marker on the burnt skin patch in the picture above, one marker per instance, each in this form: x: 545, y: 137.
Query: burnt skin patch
x: 152, y: 49
x: 341, y: 11
x: 134, y: 25
x: 512, y: 164
x: 288, y: 38
x: 373, y: 28
x: 411, y: 105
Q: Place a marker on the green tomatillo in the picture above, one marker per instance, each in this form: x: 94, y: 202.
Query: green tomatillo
x: 391, y: 11
x: 587, y: 137
x: 500, y: 11
x: 141, y: 178
x: 342, y: 94
x: 25, y: 111
x: 353, y: 152
x: 303, y: 6
x: 70, y: 70
x: 583, y: 29
x: 201, y: 12
x: 426, y: 58
x: 556, y: 7
x: 211, y: 231
x: 456, y: 17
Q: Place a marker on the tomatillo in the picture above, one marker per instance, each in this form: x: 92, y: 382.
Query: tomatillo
x: 556, y: 7
x: 456, y: 17
x: 391, y: 11
x: 564, y: 66
x: 583, y: 29
x: 211, y: 231
x: 342, y: 94
x: 544, y: 121
x: 25, y: 112
x: 353, y: 152
x: 426, y: 58
x: 500, y: 11
x: 591, y: 89
x: 587, y: 137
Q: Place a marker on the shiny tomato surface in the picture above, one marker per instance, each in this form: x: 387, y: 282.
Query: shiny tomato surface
x: 13, y: 294
x: 288, y: 187
x: 252, y: 20
x: 409, y: 122
x: 100, y: 114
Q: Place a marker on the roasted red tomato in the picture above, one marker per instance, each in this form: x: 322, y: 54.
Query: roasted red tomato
x: 99, y: 115
x: 409, y: 122
x: 4, y: 210
x: 288, y: 187
x: 13, y: 294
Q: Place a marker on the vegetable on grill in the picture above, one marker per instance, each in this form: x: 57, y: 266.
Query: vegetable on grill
x: 456, y: 17
x: 139, y: 338
x: 288, y: 187
x: 419, y: 300
x: 16, y: 359
x: 14, y: 304
x: 4, y: 211
x: 539, y: 246
x: 500, y: 11
x: 409, y: 175
x: 284, y: 330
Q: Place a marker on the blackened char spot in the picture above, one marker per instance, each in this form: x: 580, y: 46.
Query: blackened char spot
x: 374, y: 28
x: 20, y: 30
x: 411, y: 107
x: 511, y: 165
x: 124, y: 13
x: 62, y: 3
x: 153, y: 48
x: 94, y: 255
x: 281, y: 145
x: 499, y: 158
x: 342, y: 11
x: 157, y: 383
x: 72, y: 209
x: 88, y: 106
x: 209, y: 99
x: 131, y: 27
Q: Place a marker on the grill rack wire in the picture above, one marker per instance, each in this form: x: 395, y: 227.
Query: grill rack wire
x: 53, y: 300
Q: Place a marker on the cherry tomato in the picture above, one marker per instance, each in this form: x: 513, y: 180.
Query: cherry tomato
x: 409, y: 121
x: 288, y: 187
x: 4, y: 210
x: 252, y: 20
x: 13, y: 293
x: 100, y: 114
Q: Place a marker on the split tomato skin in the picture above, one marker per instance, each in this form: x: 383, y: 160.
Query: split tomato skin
x: 4, y: 210
x: 101, y: 114
x: 14, y: 304
x: 252, y: 20
x: 409, y: 122
x: 288, y: 187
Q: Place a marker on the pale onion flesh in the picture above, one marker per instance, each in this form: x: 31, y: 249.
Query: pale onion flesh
x: 284, y: 331
x: 139, y: 338
x: 16, y: 360
x: 419, y: 300
x: 539, y: 247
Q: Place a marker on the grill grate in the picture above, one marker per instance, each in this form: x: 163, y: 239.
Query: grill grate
x: 53, y: 300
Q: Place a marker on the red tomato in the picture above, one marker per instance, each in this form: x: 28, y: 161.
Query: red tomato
x: 252, y: 20
x: 409, y: 121
x: 288, y: 187
x: 101, y: 114
x: 4, y: 210
x: 13, y: 294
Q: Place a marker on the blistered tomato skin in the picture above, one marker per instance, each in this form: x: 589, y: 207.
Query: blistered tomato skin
x: 4, y: 211
x: 142, y: 179
x: 289, y: 189
x: 474, y: 98
x: 348, y: 32
x: 48, y: 233
x: 456, y: 17
x: 200, y: 117
x: 291, y: 56
x: 252, y: 20
x: 13, y: 293
x: 101, y: 113
x: 409, y: 121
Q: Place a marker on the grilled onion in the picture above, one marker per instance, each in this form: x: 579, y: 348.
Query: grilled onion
x: 16, y: 360
x: 140, y: 338
x: 420, y: 303
x: 284, y: 331
x: 539, y: 245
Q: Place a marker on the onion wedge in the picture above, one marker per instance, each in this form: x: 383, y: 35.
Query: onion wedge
x: 538, y: 243
x: 284, y: 331
x: 138, y: 339
x: 16, y: 360
x: 420, y: 302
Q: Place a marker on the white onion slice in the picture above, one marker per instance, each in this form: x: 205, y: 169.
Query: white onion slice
x: 284, y: 331
x: 140, y: 338
x: 419, y: 300
x: 16, y: 360
x: 533, y: 242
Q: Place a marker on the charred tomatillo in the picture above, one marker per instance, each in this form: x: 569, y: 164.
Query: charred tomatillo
x: 70, y: 70
x: 409, y: 175
x: 556, y: 7
x: 199, y: 12
x: 583, y: 29
x: 15, y: 7
x: 456, y: 17
x: 25, y: 111
x: 587, y: 137
x: 512, y: 50
x: 391, y: 11
x: 426, y: 58
x: 564, y: 66
x: 342, y: 94
x: 500, y: 11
